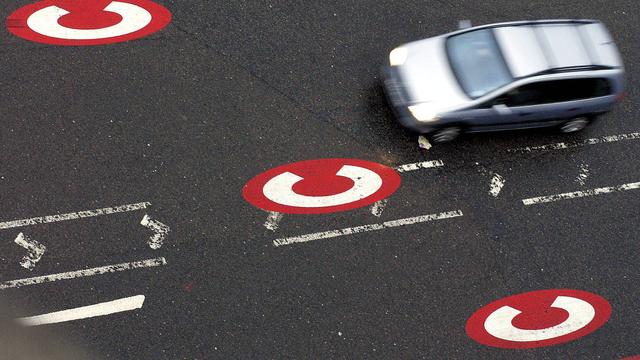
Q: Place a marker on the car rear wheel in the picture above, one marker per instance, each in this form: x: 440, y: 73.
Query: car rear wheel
x: 575, y: 124
x: 446, y: 134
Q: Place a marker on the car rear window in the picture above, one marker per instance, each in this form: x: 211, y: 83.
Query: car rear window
x: 477, y: 62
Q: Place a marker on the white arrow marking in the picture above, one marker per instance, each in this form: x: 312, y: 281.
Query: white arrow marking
x: 161, y: 230
x: 499, y: 323
x: 365, y: 183
x: 34, y: 248
x: 101, y: 309
x: 45, y: 22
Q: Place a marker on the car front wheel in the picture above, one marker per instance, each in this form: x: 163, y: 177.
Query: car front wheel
x: 445, y: 134
x: 575, y: 124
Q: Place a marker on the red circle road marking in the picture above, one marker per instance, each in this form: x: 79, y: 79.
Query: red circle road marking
x: 95, y: 22
x: 538, y: 318
x: 321, y: 186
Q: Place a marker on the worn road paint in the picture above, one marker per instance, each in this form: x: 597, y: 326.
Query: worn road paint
x: 497, y: 183
x: 84, y: 312
x: 160, y: 231
x: 273, y: 220
x: 424, y: 143
x: 73, y: 215
x: 35, y: 250
x: 419, y: 165
x: 378, y: 207
x: 567, y: 145
x: 160, y: 261
x: 583, y: 175
x: 538, y: 318
x: 365, y: 228
x: 579, y: 194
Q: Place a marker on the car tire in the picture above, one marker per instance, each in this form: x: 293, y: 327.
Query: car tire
x: 576, y: 124
x: 445, y: 134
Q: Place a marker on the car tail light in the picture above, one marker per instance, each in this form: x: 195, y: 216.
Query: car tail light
x: 620, y: 96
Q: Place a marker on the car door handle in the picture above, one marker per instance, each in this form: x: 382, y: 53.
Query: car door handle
x: 573, y: 109
x: 524, y: 114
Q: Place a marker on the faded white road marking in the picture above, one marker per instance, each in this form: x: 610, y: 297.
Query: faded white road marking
x: 583, y: 175
x: 424, y: 143
x: 497, y: 183
x: 573, y: 144
x: 73, y: 215
x: 160, y: 231
x: 101, y: 309
x: 365, y: 228
x: 35, y: 250
x: 378, y: 207
x: 273, y: 220
x: 579, y: 194
x: 84, y: 273
x: 419, y: 165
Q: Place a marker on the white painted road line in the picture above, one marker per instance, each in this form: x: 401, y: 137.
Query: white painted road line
x: 378, y: 207
x: 579, y: 194
x: 160, y: 231
x: 583, y: 175
x: 497, y: 183
x: 567, y: 145
x: 34, y: 248
x: 101, y: 309
x: 365, y: 228
x: 84, y: 273
x: 73, y: 215
x: 419, y: 165
x: 273, y: 220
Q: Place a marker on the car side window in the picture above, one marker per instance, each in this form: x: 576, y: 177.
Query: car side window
x: 547, y: 92
x: 577, y: 89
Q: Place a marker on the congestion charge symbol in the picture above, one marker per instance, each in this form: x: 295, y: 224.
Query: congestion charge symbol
x: 538, y: 318
x: 321, y: 186
x: 94, y: 22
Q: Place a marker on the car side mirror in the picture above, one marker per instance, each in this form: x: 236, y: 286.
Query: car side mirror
x: 501, y: 109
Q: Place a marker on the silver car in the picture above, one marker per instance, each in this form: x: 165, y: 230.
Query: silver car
x: 513, y: 75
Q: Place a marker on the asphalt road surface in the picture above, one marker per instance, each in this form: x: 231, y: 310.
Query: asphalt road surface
x: 178, y: 121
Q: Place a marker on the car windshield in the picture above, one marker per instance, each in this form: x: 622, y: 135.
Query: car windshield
x: 477, y: 62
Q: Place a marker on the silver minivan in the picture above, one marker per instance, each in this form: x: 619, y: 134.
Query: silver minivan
x: 514, y: 75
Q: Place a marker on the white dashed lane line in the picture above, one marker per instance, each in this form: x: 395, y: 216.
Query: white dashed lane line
x: 73, y: 215
x: 579, y: 194
x: 366, y: 228
x: 160, y: 261
x: 573, y: 144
